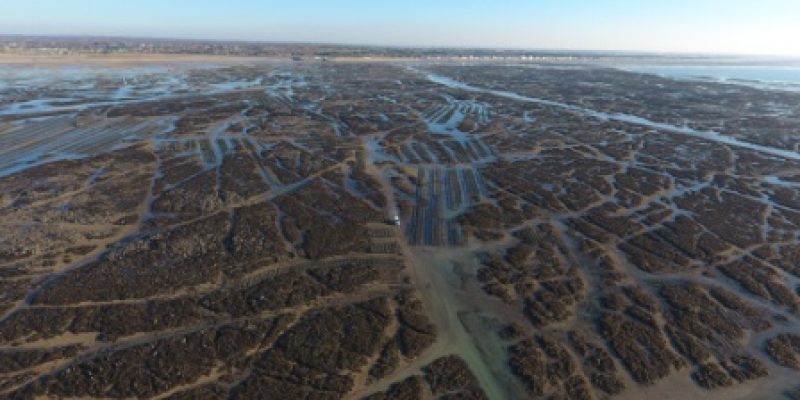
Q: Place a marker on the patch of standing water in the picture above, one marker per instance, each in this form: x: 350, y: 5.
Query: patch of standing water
x: 236, y: 85
x: 34, y: 106
x: 37, y: 159
x: 86, y: 95
x: 527, y: 117
x: 123, y: 92
x: 631, y: 119
x: 775, y: 180
x: 446, y: 120
x: 375, y: 151
x: 284, y: 87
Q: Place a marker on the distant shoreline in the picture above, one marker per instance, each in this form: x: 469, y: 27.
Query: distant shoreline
x: 23, y: 59
x: 121, y: 59
x: 125, y: 60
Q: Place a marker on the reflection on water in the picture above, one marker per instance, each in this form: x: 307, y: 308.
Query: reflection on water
x: 782, y: 78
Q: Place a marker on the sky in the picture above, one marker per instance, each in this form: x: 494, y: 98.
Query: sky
x: 765, y: 27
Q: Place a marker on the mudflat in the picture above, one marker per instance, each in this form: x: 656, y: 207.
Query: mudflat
x: 224, y: 227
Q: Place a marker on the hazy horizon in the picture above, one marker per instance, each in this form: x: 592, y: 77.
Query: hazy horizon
x: 698, y: 27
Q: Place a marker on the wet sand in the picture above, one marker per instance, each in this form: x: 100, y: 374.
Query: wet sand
x: 468, y: 320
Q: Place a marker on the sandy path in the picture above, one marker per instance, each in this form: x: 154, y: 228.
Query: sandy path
x: 466, y: 319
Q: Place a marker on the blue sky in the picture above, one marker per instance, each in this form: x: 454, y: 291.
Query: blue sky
x: 732, y: 26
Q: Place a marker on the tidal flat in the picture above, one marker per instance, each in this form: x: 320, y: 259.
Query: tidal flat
x: 225, y: 229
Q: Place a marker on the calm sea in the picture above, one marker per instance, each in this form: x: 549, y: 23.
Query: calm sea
x: 786, y: 78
